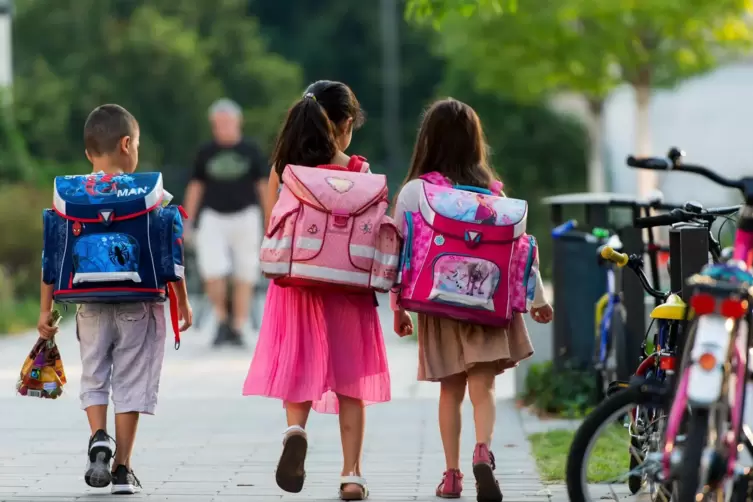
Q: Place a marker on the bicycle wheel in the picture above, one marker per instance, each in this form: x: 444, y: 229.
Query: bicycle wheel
x: 689, y: 473
x: 624, y: 450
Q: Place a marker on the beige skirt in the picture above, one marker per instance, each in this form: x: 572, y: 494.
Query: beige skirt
x: 447, y: 347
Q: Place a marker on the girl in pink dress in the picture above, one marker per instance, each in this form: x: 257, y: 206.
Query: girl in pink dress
x: 319, y: 350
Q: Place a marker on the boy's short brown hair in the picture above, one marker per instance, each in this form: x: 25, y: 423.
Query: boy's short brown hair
x: 106, y: 126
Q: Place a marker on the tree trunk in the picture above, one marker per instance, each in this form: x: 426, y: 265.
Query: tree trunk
x: 648, y: 181
x: 597, y: 181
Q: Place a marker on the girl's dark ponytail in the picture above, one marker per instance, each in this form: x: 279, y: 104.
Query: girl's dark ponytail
x: 309, y: 135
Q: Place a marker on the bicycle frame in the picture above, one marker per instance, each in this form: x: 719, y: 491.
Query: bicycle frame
x: 606, y: 321
x: 721, y: 336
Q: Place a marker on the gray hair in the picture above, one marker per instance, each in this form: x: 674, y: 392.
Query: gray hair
x: 225, y: 105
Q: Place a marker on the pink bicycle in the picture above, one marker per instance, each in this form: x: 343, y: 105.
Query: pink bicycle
x: 710, y: 396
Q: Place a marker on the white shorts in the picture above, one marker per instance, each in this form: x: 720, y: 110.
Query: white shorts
x: 228, y: 244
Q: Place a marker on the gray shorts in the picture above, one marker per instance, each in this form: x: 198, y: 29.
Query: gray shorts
x: 122, y: 347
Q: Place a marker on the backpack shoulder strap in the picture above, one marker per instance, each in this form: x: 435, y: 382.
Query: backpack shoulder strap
x: 436, y: 179
x: 358, y: 164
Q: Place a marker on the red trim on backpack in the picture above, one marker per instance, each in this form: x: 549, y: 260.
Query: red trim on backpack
x: 109, y: 290
x: 356, y: 163
x: 114, y: 218
x: 183, y: 212
x: 174, y: 315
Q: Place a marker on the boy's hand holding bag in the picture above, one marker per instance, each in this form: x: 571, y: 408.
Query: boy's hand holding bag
x: 42, y: 374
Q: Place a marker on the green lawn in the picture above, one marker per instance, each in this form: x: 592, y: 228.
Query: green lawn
x: 609, y: 458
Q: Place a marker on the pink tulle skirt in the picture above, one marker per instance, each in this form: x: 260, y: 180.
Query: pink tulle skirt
x: 313, y: 346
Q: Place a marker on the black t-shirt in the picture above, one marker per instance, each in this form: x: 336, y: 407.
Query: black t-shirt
x: 230, y: 175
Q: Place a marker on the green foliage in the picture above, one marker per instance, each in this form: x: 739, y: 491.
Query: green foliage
x: 591, y: 46
x: 337, y: 40
x: 567, y: 392
x: 165, y: 61
x: 20, y: 248
x: 436, y: 10
x: 18, y: 316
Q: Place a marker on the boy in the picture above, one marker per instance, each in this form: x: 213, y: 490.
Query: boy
x: 122, y: 345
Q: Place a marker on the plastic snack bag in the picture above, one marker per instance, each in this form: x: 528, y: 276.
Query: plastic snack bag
x: 42, y: 374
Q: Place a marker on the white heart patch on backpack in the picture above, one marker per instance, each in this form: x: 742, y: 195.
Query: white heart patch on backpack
x: 339, y: 184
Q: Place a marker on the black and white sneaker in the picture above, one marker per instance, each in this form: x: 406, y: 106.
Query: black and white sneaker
x: 124, y: 481
x: 98, y: 466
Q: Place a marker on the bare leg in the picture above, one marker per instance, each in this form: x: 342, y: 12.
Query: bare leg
x: 352, y: 428
x: 97, y: 416
x: 297, y: 413
x: 481, y: 391
x: 451, y: 398
x: 125, y: 436
x: 243, y: 293
x: 216, y: 290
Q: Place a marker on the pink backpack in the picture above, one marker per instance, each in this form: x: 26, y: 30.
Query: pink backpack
x: 466, y: 254
x: 329, y: 228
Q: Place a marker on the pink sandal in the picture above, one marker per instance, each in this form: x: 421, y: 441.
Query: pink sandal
x: 451, y: 486
x: 487, y: 486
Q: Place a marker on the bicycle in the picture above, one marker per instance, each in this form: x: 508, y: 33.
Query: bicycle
x: 610, y: 348
x: 712, y: 386
x: 645, y: 399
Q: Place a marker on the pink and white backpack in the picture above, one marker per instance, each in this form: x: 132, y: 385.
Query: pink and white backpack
x: 466, y: 254
x: 329, y: 228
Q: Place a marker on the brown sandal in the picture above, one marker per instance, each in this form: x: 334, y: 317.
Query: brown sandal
x: 291, y: 473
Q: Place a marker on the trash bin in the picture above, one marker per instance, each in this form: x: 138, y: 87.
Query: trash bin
x: 579, y: 283
x: 579, y: 280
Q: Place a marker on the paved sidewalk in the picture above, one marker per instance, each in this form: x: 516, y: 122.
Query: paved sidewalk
x: 207, y: 443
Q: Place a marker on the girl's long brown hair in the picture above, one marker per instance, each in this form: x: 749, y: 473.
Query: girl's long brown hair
x: 451, y: 142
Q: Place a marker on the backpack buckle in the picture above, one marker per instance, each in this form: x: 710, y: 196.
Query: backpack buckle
x: 340, y: 220
x: 106, y: 216
x: 472, y: 238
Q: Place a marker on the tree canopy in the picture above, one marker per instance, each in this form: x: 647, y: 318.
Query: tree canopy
x: 166, y: 62
x: 588, y: 45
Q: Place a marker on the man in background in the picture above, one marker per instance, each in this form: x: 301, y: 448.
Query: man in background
x: 228, y: 183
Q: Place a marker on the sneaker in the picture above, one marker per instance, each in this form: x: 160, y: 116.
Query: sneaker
x: 98, y: 466
x: 235, y: 337
x: 487, y: 486
x: 223, y: 335
x: 124, y: 481
x: 451, y: 486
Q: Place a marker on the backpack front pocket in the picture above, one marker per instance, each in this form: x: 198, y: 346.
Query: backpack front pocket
x: 465, y: 281
x: 106, y: 258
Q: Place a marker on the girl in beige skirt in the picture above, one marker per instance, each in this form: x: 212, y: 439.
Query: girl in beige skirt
x: 458, y: 354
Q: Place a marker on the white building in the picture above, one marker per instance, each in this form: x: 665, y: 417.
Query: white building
x: 710, y: 117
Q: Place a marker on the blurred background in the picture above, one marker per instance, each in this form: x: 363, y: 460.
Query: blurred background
x: 565, y: 89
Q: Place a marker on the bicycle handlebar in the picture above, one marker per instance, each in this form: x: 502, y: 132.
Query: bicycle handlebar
x: 683, y: 216
x: 673, y: 162
x: 619, y: 259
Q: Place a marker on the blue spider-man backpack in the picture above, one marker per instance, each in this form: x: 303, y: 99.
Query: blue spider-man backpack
x: 112, y: 239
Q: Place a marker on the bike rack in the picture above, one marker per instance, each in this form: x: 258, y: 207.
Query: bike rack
x: 600, y: 210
